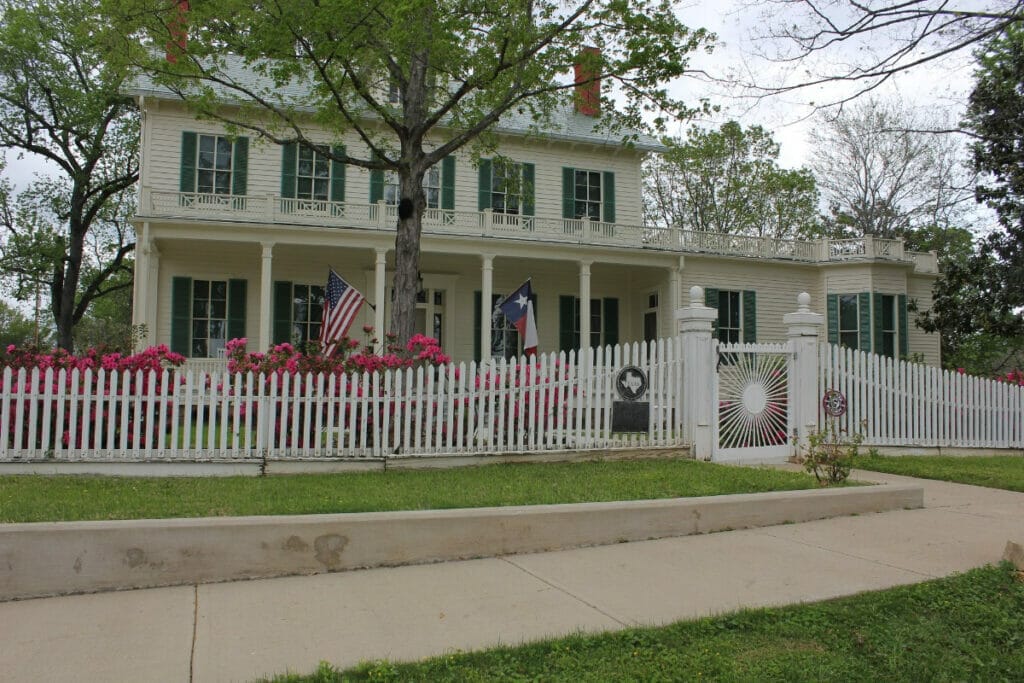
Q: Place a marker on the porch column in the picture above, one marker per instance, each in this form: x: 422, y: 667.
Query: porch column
x: 674, y: 283
x: 804, y: 328
x: 379, y: 296
x: 695, y: 323
x: 140, y: 295
x: 266, y: 297
x: 487, y: 292
x: 585, y: 309
x: 148, y: 317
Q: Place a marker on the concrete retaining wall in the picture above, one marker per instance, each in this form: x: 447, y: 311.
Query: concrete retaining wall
x: 72, y: 557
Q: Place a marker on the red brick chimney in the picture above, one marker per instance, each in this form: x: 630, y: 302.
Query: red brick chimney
x: 178, y: 27
x: 588, y: 86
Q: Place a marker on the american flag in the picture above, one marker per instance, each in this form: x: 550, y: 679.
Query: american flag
x: 341, y: 304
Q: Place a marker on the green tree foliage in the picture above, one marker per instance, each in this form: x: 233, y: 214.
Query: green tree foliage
x: 728, y: 180
x: 60, y: 101
x: 984, y: 293
x: 18, y: 329
x: 454, y: 69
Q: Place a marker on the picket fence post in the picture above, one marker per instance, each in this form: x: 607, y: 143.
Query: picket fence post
x: 804, y: 328
x: 695, y: 326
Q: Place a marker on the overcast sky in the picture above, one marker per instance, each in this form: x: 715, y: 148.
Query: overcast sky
x: 940, y: 86
x: 943, y: 85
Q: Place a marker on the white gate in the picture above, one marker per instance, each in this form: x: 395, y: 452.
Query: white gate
x: 752, y: 395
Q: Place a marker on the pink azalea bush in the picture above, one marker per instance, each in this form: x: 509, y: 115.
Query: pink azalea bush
x: 107, y: 372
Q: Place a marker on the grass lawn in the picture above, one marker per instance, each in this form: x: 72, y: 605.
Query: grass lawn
x: 27, y: 498
x: 966, y: 627
x: 998, y: 471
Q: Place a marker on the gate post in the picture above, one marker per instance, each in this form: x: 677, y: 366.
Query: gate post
x: 804, y: 330
x: 695, y: 326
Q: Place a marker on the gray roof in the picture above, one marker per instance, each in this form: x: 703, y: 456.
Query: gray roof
x: 565, y: 124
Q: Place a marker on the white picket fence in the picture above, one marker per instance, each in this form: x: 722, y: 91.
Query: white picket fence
x: 895, y: 403
x: 547, y: 403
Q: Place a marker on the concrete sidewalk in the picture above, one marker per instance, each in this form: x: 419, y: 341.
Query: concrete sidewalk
x: 239, y: 631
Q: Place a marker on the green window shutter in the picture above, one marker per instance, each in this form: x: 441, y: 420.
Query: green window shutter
x: 289, y: 154
x: 610, y: 320
x: 876, y: 314
x: 529, y: 172
x: 478, y: 299
x: 832, y: 314
x: 711, y: 300
x: 187, y: 177
x: 448, y: 183
x: 864, y: 313
x: 568, y: 192
x: 236, y: 308
x: 376, y: 186
x: 282, y: 328
x: 181, y: 315
x: 338, y: 175
x: 749, y: 316
x: 566, y: 312
x: 608, y: 193
x: 904, y: 323
x: 483, y: 186
x: 240, y: 172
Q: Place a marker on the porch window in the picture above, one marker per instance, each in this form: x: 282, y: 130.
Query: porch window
x: 298, y: 312
x: 604, y: 322
x: 205, y: 314
x: 849, y: 320
x: 505, y: 340
x: 737, y: 314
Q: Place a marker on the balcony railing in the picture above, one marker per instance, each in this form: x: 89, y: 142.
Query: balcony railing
x: 275, y: 210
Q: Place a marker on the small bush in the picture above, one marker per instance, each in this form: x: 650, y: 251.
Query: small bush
x: 830, y: 452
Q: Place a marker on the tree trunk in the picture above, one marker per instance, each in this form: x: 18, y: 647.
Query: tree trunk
x: 64, y: 308
x: 407, y: 250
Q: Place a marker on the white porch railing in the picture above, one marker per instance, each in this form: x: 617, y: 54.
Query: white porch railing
x: 276, y: 210
x: 551, y: 402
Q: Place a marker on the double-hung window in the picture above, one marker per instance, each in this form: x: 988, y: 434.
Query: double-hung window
x: 737, y: 314
x: 205, y: 314
x: 849, y: 321
x: 298, y: 312
x: 588, y: 194
x: 604, y: 322
x: 506, y: 187
x: 213, y: 166
x: 310, y: 178
x: 312, y: 175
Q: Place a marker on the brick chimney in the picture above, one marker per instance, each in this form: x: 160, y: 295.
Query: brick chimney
x: 588, y: 87
x: 178, y: 28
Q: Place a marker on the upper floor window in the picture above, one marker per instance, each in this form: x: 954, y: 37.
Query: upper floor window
x: 312, y: 175
x: 506, y: 187
x: 432, y: 187
x: 588, y: 195
x: 213, y: 167
x: 213, y: 164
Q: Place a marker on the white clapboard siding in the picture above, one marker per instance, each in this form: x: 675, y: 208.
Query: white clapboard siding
x: 545, y: 403
x: 896, y: 403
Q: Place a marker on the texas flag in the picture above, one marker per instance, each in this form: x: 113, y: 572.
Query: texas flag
x: 518, y: 308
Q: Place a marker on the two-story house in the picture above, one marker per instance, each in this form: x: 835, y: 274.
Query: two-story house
x: 236, y: 235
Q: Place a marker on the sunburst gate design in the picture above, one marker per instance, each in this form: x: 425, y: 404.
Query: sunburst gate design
x: 752, y: 406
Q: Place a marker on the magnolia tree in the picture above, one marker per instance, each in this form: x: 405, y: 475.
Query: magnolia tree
x: 414, y: 81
